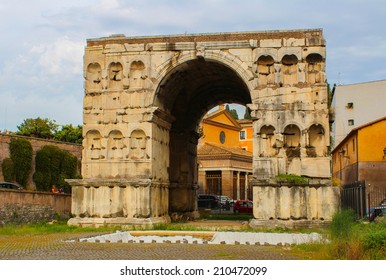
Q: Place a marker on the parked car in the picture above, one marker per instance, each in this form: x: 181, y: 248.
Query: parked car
x: 10, y: 186
x: 224, y: 199
x: 208, y: 201
x: 379, y: 210
x: 243, y: 206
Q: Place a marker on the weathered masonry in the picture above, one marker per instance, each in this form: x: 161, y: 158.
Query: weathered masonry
x: 144, y: 99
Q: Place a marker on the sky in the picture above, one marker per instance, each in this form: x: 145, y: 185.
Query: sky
x: 43, y: 41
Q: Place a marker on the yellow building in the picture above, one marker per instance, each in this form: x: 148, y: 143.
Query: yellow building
x: 225, y: 155
x: 361, y: 155
x: 246, y: 135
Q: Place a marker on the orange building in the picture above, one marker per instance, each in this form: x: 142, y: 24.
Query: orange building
x: 225, y: 155
x: 361, y: 155
x: 246, y: 135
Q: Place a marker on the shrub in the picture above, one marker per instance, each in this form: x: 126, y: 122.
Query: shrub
x: 8, y: 170
x: 21, y: 155
x: 53, y: 166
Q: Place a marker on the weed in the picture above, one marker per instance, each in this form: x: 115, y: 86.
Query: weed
x: 291, y: 178
x: 342, y: 224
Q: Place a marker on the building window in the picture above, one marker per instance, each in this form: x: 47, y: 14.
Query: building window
x: 222, y: 137
x: 350, y: 122
x: 242, y: 135
x: 350, y: 105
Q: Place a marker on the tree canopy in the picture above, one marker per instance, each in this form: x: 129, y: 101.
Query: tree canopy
x: 40, y: 128
x: 69, y: 133
x: 48, y: 129
x: 247, y: 115
x: 232, y: 111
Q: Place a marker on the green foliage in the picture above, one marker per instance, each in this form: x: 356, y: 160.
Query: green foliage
x: 226, y: 217
x: 45, y: 228
x: 68, y: 133
x: 247, y: 115
x: 233, y: 112
x: 40, y: 128
x: 53, y: 166
x: 8, y: 170
x: 342, y: 224
x: 292, y: 178
x: 353, y: 240
x: 21, y: 155
x: 375, y: 240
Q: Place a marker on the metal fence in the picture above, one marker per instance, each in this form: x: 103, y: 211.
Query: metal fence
x: 354, y: 196
x: 362, y: 198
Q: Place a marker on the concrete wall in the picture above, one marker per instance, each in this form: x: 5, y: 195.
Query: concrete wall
x: 29, y: 206
x: 37, y: 144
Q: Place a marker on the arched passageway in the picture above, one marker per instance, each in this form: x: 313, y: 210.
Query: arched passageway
x: 187, y: 93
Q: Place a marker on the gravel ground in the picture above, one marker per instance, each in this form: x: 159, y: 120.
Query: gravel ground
x: 54, y: 247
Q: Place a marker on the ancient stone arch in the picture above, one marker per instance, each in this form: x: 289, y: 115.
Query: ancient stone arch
x: 144, y: 122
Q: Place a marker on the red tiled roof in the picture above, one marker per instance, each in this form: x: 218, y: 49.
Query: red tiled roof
x: 215, y: 149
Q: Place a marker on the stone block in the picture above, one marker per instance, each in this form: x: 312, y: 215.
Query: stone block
x: 270, y: 43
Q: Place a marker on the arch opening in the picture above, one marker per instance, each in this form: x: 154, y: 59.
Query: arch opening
x: 187, y: 93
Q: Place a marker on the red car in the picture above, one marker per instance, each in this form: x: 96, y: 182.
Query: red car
x: 243, y: 206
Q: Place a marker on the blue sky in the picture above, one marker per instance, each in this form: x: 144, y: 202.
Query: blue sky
x: 42, y: 41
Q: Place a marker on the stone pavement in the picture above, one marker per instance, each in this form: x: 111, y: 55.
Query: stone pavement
x: 66, y: 246
x: 54, y: 247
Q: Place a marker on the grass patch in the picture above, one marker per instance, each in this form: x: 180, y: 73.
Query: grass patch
x: 350, y: 240
x: 226, y: 217
x: 39, y: 228
x: 177, y: 227
x: 226, y: 256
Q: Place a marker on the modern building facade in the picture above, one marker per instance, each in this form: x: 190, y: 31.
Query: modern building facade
x: 356, y: 105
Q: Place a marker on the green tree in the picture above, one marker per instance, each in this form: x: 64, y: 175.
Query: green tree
x: 53, y: 165
x: 68, y: 133
x: 232, y: 111
x: 247, y: 115
x: 40, y: 128
x: 8, y: 170
x: 21, y: 154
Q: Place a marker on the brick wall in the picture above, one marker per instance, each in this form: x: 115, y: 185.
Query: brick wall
x: 21, y: 207
x: 37, y: 144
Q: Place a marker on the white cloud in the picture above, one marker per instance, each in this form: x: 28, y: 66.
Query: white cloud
x: 43, y: 40
x: 61, y: 56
